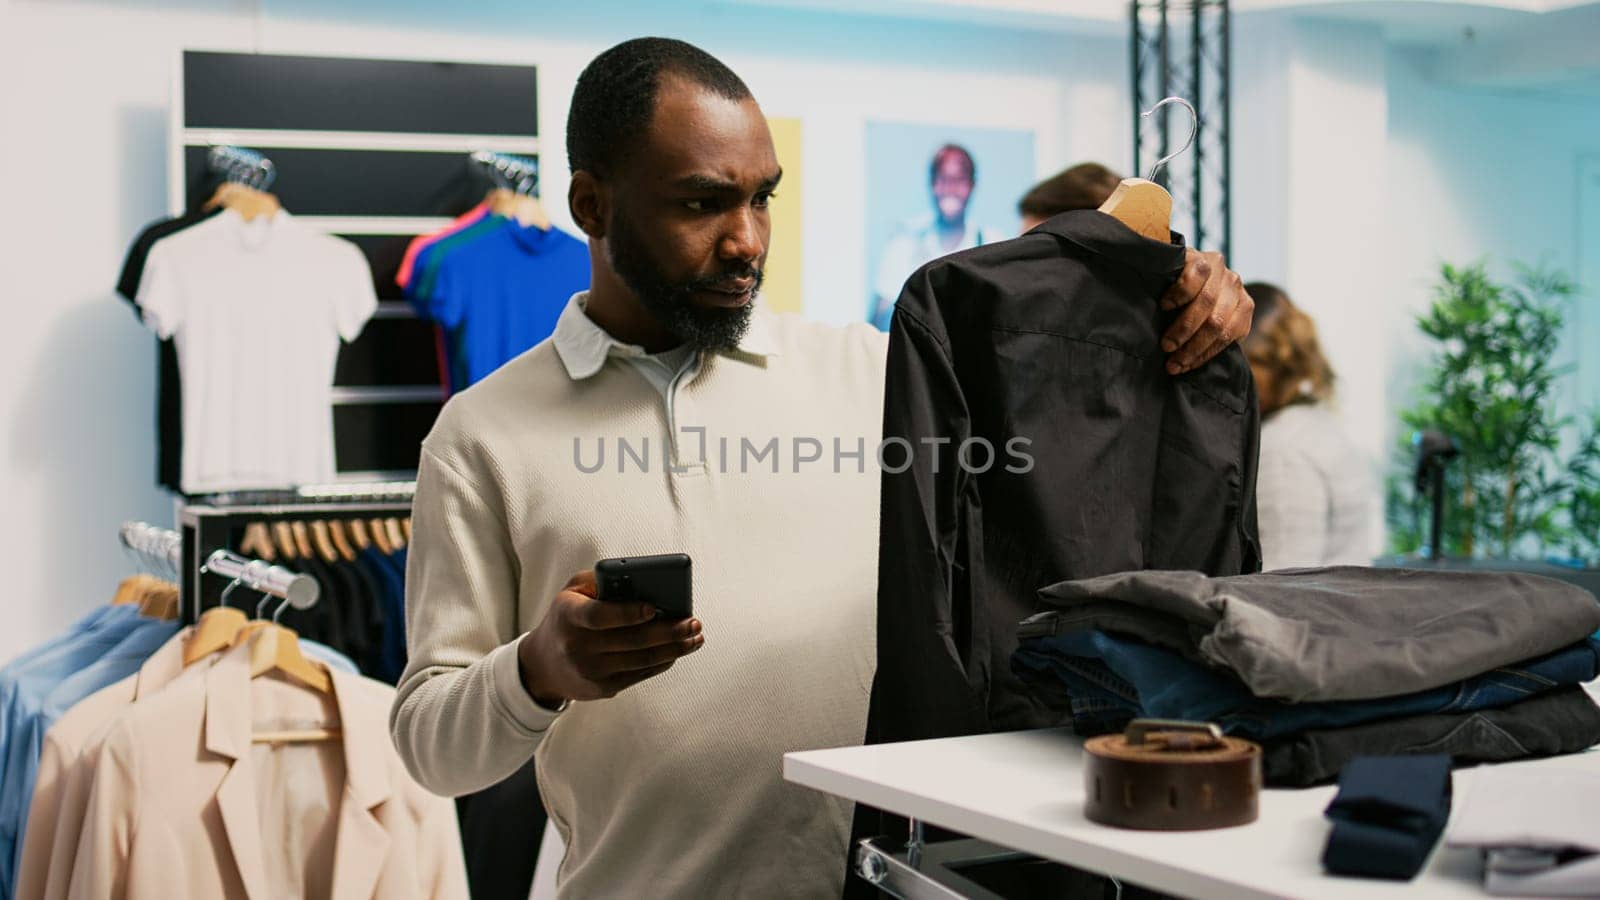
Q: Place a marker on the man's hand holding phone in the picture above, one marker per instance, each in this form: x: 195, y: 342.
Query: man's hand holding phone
x: 590, y: 649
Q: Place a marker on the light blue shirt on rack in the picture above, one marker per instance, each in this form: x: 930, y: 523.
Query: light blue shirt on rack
x: 118, y: 663
x: 25, y: 688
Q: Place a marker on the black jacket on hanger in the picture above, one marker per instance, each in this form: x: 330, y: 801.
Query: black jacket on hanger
x: 1047, y: 348
x: 169, y: 384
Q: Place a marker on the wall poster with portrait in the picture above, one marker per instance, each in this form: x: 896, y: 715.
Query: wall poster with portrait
x: 933, y: 190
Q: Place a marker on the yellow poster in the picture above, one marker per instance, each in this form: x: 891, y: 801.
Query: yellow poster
x: 781, y: 287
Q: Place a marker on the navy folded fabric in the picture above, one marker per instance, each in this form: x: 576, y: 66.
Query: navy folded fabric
x: 1388, y: 814
x: 1110, y: 678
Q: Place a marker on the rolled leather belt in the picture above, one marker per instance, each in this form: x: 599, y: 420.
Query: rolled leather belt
x: 1162, y: 775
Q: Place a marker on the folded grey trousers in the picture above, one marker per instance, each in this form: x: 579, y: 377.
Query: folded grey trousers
x: 1564, y: 720
x: 1338, y: 633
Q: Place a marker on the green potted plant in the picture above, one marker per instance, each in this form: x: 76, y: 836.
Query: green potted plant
x: 1491, y: 386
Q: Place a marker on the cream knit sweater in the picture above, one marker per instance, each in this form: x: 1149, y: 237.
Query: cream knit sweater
x: 673, y: 788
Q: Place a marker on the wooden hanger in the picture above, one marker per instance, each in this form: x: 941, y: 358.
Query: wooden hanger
x: 215, y: 631
x: 133, y: 589
x: 1141, y: 204
x: 283, y: 537
x: 359, y: 534
x: 160, y: 602
x: 397, y: 538
x: 1144, y: 206
x: 323, y: 541
x: 275, y: 648
x: 341, y: 540
x: 405, y: 526
x: 257, y: 542
x: 296, y: 737
x: 248, y: 202
x: 302, y: 539
x: 525, y: 208
x: 380, y: 536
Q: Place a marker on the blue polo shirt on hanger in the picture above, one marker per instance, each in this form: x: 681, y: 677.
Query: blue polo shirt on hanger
x: 501, y: 292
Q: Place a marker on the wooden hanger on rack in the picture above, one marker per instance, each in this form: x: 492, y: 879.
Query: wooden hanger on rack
x: 283, y: 539
x: 133, y: 589
x: 248, y: 174
x: 302, y: 539
x: 216, y: 629
x: 380, y: 536
x: 276, y: 648
x: 1141, y: 204
x: 257, y: 542
x: 341, y: 539
x: 405, y: 526
x: 397, y: 538
x: 516, y: 183
x: 525, y: 208
x: 359, y: 536
x: 322, y: 539
x: 161, y: 602
x: 248, y: 202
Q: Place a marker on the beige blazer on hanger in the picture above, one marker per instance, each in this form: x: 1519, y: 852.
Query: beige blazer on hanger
x: 66, y: 771
x: 185, y: 805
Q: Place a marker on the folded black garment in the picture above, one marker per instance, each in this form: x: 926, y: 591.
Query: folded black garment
x: 1565, y: 720
x: 1338, y: 633
x: 1388, y: 814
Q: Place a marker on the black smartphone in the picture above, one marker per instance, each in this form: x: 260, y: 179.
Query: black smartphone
x: 664, y: 581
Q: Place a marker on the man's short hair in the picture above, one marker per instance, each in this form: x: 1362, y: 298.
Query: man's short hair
x: 952, y: 150
x: 616, y: 96
x: 1084, y: 186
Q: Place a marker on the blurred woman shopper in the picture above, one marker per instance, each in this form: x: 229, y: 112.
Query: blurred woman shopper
x: 1315, y: 497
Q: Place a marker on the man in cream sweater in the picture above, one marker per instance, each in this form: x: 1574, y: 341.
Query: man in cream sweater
x: 668, y: 414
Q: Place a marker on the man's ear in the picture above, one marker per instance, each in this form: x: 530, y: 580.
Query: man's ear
x: 589, y: 201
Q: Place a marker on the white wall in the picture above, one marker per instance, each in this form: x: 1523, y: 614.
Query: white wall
x: 1356, y: 174
x: 1476, y: 174
x: 86, y: 88
x: 1310, y: 141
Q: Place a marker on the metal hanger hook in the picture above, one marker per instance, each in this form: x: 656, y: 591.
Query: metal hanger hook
x: 232, y: 586
x: 1194, y: 129
x: 261, y: 608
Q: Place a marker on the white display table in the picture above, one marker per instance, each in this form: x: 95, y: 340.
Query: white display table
x: 1024, y: 790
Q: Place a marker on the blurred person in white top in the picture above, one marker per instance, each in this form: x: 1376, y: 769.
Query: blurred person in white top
x: 1315, y: 494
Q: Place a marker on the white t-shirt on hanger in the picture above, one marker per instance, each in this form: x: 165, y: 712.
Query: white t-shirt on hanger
x: 257, y: 309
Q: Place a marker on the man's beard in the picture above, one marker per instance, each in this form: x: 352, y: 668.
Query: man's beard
x: 672, y: 302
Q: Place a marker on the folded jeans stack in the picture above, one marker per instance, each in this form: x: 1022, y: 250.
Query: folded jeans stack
x: 1326, y: 664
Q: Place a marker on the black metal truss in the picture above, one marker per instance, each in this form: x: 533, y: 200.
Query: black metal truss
x: 1181, y: 49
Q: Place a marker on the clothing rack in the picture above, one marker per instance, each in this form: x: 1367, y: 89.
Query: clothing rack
x: 378, y: 492
x: 213, y: 525
x: 376, y: 162
x: 165, y: 548
x: 241, y: 166
x: 514, y: 173
x: 302, y: 591
x: 362, y: 492
x: 159, y: 547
